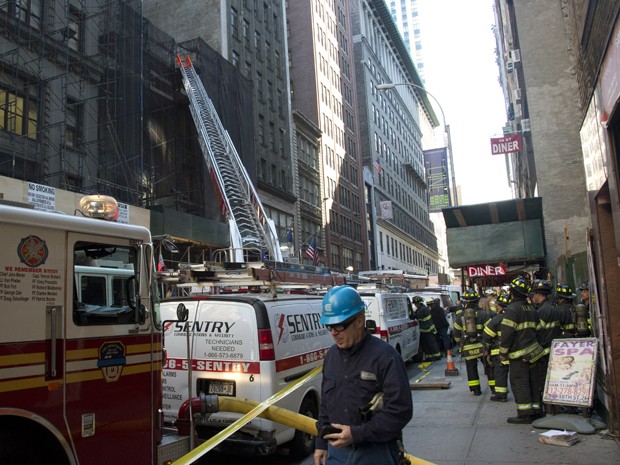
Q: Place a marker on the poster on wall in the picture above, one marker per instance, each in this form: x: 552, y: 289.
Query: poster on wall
x: 570, y: 375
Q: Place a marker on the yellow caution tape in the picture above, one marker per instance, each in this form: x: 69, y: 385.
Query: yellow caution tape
x: 201, y: 450
x: 423, y: 376
x: 417, y: 460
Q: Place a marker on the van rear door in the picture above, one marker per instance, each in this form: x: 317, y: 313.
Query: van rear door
x: 225, y: 353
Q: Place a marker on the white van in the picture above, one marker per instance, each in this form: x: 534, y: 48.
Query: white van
x: 248, y: 346
x: 393, y: 316
x: 104, y: 286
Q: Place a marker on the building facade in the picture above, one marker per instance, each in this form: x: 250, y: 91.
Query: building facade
x: 391, y: 141
x: 323, y: 90
x: 541, y: 90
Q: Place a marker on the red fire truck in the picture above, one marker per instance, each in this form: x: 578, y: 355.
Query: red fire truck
x: 80, y: 374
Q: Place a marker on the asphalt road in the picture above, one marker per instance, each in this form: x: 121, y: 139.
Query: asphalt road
x: 281, y: 457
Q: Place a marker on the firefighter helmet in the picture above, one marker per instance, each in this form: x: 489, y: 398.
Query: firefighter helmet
x: 564, y: 291
x: 490, y: 292
x: 520, y: 286
x: 542, y: 286
x: 417, y: 300
x: 585, y: 286
x: 470, y: 296
x: 339, y: 304
x: 429, y: 301
x: 503, y: 300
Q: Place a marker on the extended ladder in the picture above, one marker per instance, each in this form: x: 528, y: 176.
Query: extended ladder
x: 250, y: 228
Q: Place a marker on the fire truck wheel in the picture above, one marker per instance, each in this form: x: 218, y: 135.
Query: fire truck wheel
x: 31, y: 447
x: 302, y: 444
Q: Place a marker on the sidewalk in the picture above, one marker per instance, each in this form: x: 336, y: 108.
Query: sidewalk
x: 452, y: 427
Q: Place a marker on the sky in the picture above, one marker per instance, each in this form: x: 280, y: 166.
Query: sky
x: 461, y: 73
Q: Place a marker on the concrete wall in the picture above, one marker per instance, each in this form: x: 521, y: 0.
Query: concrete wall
x: 555, y: 121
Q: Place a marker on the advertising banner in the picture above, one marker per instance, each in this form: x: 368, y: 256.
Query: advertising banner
x: 570, y: 375
x: 436, y: 164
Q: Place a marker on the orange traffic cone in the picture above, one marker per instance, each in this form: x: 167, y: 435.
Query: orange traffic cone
x: 451, y: 370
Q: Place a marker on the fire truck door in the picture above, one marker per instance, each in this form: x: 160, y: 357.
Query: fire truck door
x: 109, y: 346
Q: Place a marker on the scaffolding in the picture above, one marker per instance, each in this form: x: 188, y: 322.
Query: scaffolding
x: 90, y: 102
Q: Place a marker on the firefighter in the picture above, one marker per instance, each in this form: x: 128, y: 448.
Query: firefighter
x: 564, y: 296
x: 519, y: 345
x: 443, y: 326
x: 491, y: 297
x: 549, y: 318
x: 468, y: 329
x: 428, y: 331
x: 491, y: 337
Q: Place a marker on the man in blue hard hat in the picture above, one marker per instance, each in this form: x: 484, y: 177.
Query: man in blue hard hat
x: 365, y: 395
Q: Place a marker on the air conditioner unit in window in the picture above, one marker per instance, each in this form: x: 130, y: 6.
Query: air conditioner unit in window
x: 515, y: 55
x: 516, y: 94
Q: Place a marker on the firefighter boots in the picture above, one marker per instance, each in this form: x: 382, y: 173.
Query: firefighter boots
x: 520, y: 420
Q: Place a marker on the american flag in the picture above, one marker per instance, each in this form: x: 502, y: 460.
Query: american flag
x: 161, y: 266
x: 312, y: 252
x: 377, y: 165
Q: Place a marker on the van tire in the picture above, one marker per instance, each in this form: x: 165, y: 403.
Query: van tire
x: 302, y: 444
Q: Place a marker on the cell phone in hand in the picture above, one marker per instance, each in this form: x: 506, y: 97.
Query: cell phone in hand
x: 328, y: 429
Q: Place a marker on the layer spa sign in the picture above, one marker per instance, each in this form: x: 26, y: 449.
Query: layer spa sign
x: 506, y: 144
x: 486, y: 270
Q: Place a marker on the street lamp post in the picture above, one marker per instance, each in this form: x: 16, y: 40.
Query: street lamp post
x: 391, y: 85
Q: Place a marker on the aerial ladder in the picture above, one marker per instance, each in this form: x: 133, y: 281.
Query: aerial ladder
x: 250, y: 228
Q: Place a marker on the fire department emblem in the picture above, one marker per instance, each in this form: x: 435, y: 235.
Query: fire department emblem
x: 111, y: 360
x: 32, y: 251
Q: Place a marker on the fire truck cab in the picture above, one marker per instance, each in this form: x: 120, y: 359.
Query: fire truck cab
x: 80, y: 371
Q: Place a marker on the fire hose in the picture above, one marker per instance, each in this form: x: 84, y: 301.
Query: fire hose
x: 251, y: 409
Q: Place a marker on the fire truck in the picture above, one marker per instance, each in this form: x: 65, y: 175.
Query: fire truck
x: 80, y: 375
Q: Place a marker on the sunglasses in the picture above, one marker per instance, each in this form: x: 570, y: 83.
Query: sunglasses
x: 341, y: 326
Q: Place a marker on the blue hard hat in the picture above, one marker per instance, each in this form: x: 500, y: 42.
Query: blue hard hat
x: 339, y: 304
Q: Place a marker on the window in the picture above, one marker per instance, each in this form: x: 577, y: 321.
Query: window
x: 246, y: 33
x: 104, y: 284
x: 72, y: 121
x: 27, y: 11
x: 234, y: 22
x: 74, y: 26
x: 18, y: 115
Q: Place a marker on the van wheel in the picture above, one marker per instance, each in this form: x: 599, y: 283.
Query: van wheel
x: 302, y: 444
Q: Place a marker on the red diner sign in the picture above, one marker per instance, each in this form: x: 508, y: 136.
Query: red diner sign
x: 485, y: 270
x: 507, y: 144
